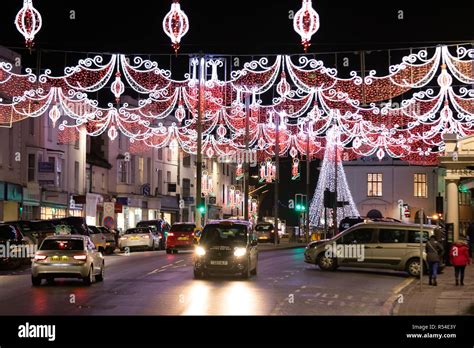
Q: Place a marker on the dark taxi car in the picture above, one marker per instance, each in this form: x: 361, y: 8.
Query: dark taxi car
x: 226, y: 247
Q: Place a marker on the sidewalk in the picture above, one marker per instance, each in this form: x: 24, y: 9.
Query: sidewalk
x: 444, y: 299
x: 284, y: 244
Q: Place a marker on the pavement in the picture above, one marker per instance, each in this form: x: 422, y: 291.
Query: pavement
x: 156, y: 283
x: 444, y: 299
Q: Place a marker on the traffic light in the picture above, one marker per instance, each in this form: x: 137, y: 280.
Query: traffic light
x: 202, y: 208
x: 300, y: 203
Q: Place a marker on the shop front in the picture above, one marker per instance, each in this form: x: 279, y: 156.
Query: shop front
x: 11, y: 198
x: 54, y: 205
x: 31, y: 202
x: 93, y: 201
x: 170, y: 209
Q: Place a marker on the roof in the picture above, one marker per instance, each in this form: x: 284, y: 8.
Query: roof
x: 395, y: 224
x: 67, y: 236
x: 229, y: 221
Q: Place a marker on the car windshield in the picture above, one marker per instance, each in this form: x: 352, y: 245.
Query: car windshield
x: 7, y: 232
x: 182, y: 228
x: 94, y: 230
x: 154, y: 225
x: 61, y: 244
x: 264, y: 228
x: 225, y: 234
x: 137, y: 230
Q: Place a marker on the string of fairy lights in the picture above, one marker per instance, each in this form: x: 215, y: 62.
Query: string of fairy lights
x: 309, y: 98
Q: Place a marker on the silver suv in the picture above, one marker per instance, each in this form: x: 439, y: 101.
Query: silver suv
x: 387, y: 245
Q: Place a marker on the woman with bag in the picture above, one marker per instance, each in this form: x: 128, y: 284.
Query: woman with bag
x: 434, y: 251
x: 459, y: 258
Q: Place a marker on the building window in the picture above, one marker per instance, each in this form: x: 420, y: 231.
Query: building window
x: 48, y: 213
x: 32, y: 126
x: 132, y: 169
x: 169, y: 154
x: 50, y: 129
x: 374, y: 185
x: 168, y: 180
x: 223, y: 195
x: 77, y: 141
x: 186, y: 188
x: 465, y: 198
x: 31, y: 167
x: 141, y: 170
x: 420, y: 186
x: 160, y: 154
x: 187, y: 160
x: 159, y: 187
x: 76, y: 177
x: 103, y: 181
x: 10, y: 147
x: 122, y: 171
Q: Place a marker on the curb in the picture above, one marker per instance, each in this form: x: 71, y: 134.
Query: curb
x: 390, y: 306
x: 283, y: 248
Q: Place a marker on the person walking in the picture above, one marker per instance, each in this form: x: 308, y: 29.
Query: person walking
x: 470, y: 235
x: 434, y: 252
x: 459, y: 258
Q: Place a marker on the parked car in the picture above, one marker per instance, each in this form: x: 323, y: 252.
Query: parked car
x: 34, y: 232
x: 139, y: 238
x: 226, y: 247
x: 110, y: 239
x: 180, y: 236
x: 68, y: 256
x: 10, y: 242
x: 161, y: 226
x: 266, y: 233
x: 98, y: 238
x: 73, y: 225
x: 371, y: 244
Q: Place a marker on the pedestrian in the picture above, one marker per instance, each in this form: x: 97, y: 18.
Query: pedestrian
x: 470, y: 235
x: 459, y: 258
x: 434, y: 252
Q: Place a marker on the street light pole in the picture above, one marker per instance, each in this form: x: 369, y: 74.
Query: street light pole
x: 247, y: 166
x: 422, y: 214
x: 277, y: 176
x: 308, y: 170
x: 198, y: 213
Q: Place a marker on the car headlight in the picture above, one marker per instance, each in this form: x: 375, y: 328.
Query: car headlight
x: 200, y: 251
x: 240, y: 252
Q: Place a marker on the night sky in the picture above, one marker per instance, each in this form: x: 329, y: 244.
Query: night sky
x: 238, y: 27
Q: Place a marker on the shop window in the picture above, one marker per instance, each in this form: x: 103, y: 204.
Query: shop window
x: 420, y: 186
x: 374, y: 185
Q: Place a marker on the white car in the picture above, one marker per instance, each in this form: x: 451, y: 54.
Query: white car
x: 139, y: 238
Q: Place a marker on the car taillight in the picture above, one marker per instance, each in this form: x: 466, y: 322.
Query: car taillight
x: 40, y: 257
x: 80, y: 257
x: 123, y: 238
x: 146, y: 236
x: 170, y: 234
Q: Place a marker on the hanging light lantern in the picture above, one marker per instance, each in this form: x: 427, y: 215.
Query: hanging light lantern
x: 54, y: 115
x: 239, y: 172
x: 306, y: 23
x: 28, y: 22
x: 112, y: 133
x: 176, y: 25
x: 283, y: 87
x: 207, y: 186
x: 117, y: 87
x: 295, y: 169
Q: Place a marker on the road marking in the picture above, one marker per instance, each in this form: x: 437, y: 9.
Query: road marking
x: 179, y: 261
x: 390, y: 305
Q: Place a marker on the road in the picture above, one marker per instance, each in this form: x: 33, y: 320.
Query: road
x: 154, y: 283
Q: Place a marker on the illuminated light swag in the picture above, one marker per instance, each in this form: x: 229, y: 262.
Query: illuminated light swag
x: 176, y: 25
x: 305, y: 91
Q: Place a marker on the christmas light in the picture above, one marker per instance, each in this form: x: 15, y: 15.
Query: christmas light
x: 327, y: 180
x: 28, y: 22
x: 176, y: 25
x: 306, y: 23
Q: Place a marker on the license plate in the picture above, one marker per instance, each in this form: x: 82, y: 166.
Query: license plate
x: 135, y: 238
x: 219, y: 263
x: 183, y: 238
x: 263, y: 237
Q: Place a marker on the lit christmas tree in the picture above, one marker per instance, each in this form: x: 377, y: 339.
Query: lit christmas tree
x: 331, y: 169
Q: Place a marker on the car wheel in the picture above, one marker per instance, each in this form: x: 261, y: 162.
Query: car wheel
x: 88, y: 279
x: 50, y: 281
x: 100, y: 276
x: 168, y: 251
x: 36, y: 281
x: 175, y: 251
x: 152, y: 248
x: 413, y: 267
x: 327, y: 263
x: 246, y: 273
x: 200, y: 274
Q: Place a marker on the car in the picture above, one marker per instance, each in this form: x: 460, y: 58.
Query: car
x: 139, y: 238
x: 34, y: 231
x: 67, y: 256
x: 226, y: 247
x: 161, y: 226
x: 181, y: 236
x: 374, y: 244
x: 11, y: 245
x: 98, y: 238
x: 110, y: 240
x: 266, y: 233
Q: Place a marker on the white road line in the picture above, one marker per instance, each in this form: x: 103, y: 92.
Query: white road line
x: 179, y: 261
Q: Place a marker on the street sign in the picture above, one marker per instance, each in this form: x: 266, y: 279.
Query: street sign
x: 109, y: 209
x: 109, y: 222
